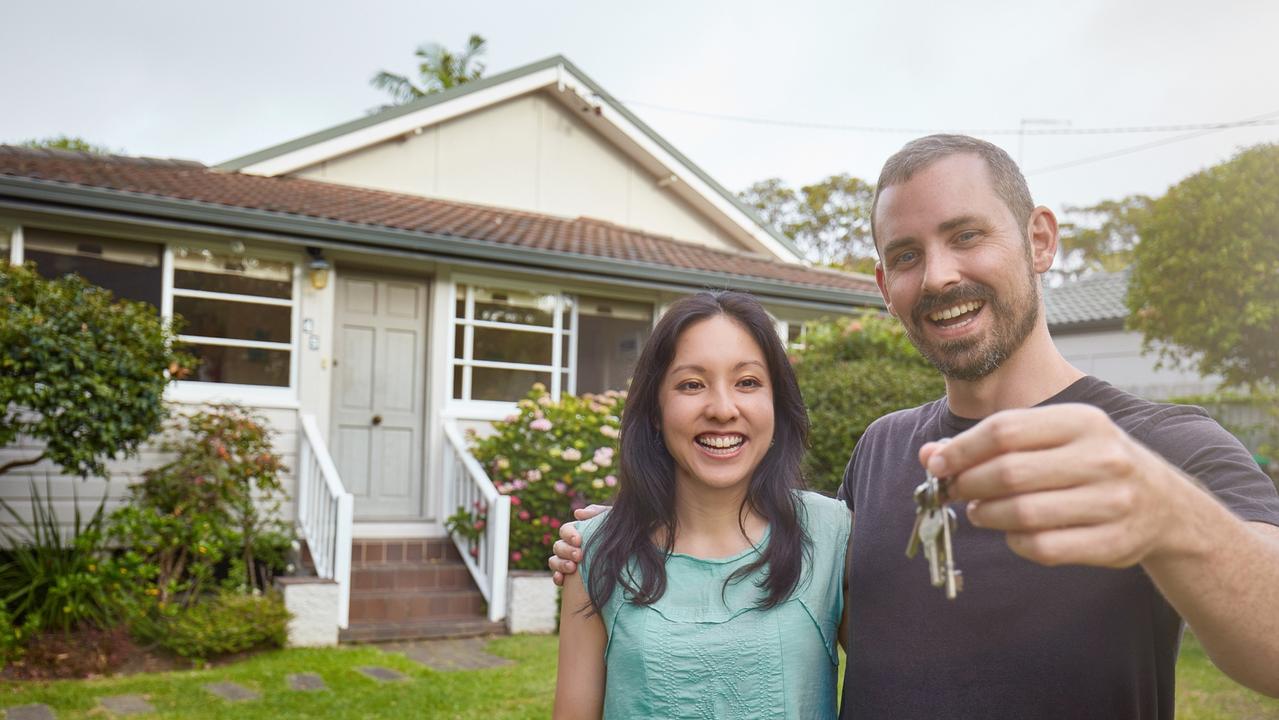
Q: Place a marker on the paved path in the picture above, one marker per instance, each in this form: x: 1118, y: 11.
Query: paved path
x: 439, y: 655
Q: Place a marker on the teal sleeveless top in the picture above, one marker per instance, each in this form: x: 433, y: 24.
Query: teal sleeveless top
x: 703, y: 651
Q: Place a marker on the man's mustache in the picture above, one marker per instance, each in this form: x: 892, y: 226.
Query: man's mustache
x: 931, y: 303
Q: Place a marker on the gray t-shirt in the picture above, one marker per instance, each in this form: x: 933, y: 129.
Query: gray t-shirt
x: 1021, y: 640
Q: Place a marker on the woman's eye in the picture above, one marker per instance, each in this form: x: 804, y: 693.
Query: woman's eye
x: 688, y: 385
x: 751, y: 382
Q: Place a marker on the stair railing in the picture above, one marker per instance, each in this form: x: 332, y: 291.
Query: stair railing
x: 467, y: 486
x: 325, y: 511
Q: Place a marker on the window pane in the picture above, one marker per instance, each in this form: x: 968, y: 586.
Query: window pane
x: 202, y: 269
x: 609, y: 339
x: 457, y: 382
x: 246, y: 366
x: 459, y: 340
x: 237, y: 320
x: 509, y: 306
x: 130, y: 270
x: 512, y: 346
x: 507, y: 385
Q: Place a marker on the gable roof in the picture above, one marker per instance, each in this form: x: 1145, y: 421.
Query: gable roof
x: 363, y: 217
x: 1091, y: 302
x: 556, y: 72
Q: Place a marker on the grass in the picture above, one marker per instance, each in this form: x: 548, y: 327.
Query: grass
x: 521, y: 690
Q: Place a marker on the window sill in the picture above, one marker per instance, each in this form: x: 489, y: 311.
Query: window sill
x: 255, y: 396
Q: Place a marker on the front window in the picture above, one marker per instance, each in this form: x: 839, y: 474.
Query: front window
x: 237, y: 314
x: 506, y: 340
x: 130, y: 270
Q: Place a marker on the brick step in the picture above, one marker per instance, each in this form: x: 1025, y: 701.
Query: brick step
x: 440, y: 628
x: 414, y: 605
x: 411, y: 576
x: 365, y: 553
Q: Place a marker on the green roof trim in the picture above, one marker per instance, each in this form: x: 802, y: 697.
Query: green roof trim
x: 52, y: 197
x: 391, y: 113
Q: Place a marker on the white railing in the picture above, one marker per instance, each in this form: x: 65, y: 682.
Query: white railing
x: 324, y: 514
x: 467, y: 486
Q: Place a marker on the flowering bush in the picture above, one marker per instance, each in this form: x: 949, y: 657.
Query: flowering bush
x: 550, y: 458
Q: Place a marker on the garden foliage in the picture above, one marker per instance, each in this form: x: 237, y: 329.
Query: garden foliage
x: 851, y: 372
x: 550, y: 458
x: 81, y: 372
x: 225, y: 623
x: 52, y: 580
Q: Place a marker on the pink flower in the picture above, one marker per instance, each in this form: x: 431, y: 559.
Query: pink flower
x: 541, y: 425
x: 475, y: 551
x: 610, y: 480
x: 546, y: 519
x: 511, y: 418
x: 517, y: 556
x: 479, y: 525
x: 533, y: 475
x: 609, y: 431
x: 524, y: 515
x: 515, y: 500
x: 554, y: 523
x: 572, y: 455
x: 604, y: 456
x: 560, y: 488
x: 546, y: 539
x: 519, y: 484
x: 588, y: 467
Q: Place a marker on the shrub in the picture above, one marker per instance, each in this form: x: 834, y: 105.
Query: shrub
x: 14, y: 637
x: 851, y: 372
x: 219, y: 499
x: 222, y: 624
x: 80, y: 371
x: 53, y: 582
x: 550, y: 458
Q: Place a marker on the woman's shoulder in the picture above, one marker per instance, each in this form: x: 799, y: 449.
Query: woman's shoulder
x: 822, y: 508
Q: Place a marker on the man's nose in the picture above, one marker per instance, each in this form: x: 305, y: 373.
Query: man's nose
x: 941, y: 270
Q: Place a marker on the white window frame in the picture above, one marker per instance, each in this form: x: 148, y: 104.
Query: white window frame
x: 565, y: 379
x: 192, y: 391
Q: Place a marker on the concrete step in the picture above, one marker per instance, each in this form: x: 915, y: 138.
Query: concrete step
x: 414, y: 605
x: 439, y: 628
x: 411, y: 576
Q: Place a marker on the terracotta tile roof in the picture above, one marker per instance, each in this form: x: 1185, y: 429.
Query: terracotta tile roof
x: 188, y: 180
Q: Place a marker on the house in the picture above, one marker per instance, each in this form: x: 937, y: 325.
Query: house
x: 1086, y: 319
x: 376, y: 288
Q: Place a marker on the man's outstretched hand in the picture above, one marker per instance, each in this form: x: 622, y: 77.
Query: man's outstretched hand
x: 568, y: 549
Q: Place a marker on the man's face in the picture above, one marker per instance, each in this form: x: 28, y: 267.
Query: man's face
x: 955, y: 267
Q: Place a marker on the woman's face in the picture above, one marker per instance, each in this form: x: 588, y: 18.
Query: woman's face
x: 717, y: 404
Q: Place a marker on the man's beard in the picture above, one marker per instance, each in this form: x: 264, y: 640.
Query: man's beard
x: 975, y: 357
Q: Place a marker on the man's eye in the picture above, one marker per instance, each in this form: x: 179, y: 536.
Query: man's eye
x: 906, y: 257
x: 967, y: 236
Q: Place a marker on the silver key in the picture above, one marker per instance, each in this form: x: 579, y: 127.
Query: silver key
x: 934, y: 525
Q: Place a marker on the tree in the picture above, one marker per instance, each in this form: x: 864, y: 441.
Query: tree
x: 1104, y: 237
x: 79, y: 372
x: 439, y: 69
x: 828, y: 220
x: 1205, y: 280
x: 852, y: 371
x: 67, y: 142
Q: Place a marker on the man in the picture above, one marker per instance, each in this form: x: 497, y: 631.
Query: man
x: 1095, y: 521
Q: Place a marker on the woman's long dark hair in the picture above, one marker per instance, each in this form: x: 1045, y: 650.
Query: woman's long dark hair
x: 645, y: 504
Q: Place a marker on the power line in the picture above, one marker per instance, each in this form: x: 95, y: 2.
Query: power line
x: 1258, y: 120
x: 806, y: 125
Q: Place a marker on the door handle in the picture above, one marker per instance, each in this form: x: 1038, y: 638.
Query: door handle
x: 377, y: 419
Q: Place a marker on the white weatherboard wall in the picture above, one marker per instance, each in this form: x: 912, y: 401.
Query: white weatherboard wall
x: 530, y: 153
x: 1115, y: 356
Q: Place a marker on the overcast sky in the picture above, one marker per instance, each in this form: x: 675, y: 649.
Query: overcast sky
x: 213, y: 80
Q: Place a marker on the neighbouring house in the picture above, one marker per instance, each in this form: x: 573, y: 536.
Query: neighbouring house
x: 376, y: 288
x: 1086, y: 319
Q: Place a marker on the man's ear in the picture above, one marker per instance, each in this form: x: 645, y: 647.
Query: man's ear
x: 1041, y: 232
x: 883, y: 291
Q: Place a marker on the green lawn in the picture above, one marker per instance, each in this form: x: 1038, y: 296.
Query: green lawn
x: 522, y: 690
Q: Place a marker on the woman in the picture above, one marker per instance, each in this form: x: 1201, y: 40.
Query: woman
x: 712, y: 587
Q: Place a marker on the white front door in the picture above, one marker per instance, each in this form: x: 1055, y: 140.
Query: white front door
x: 380, y: 357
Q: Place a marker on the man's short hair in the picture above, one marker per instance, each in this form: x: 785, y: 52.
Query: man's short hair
x: 918, y: 154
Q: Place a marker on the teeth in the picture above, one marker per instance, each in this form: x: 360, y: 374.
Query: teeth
x: 955, y: 311
x: 721, y: 442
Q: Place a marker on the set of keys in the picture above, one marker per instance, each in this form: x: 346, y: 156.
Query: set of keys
x: 934, y: 524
